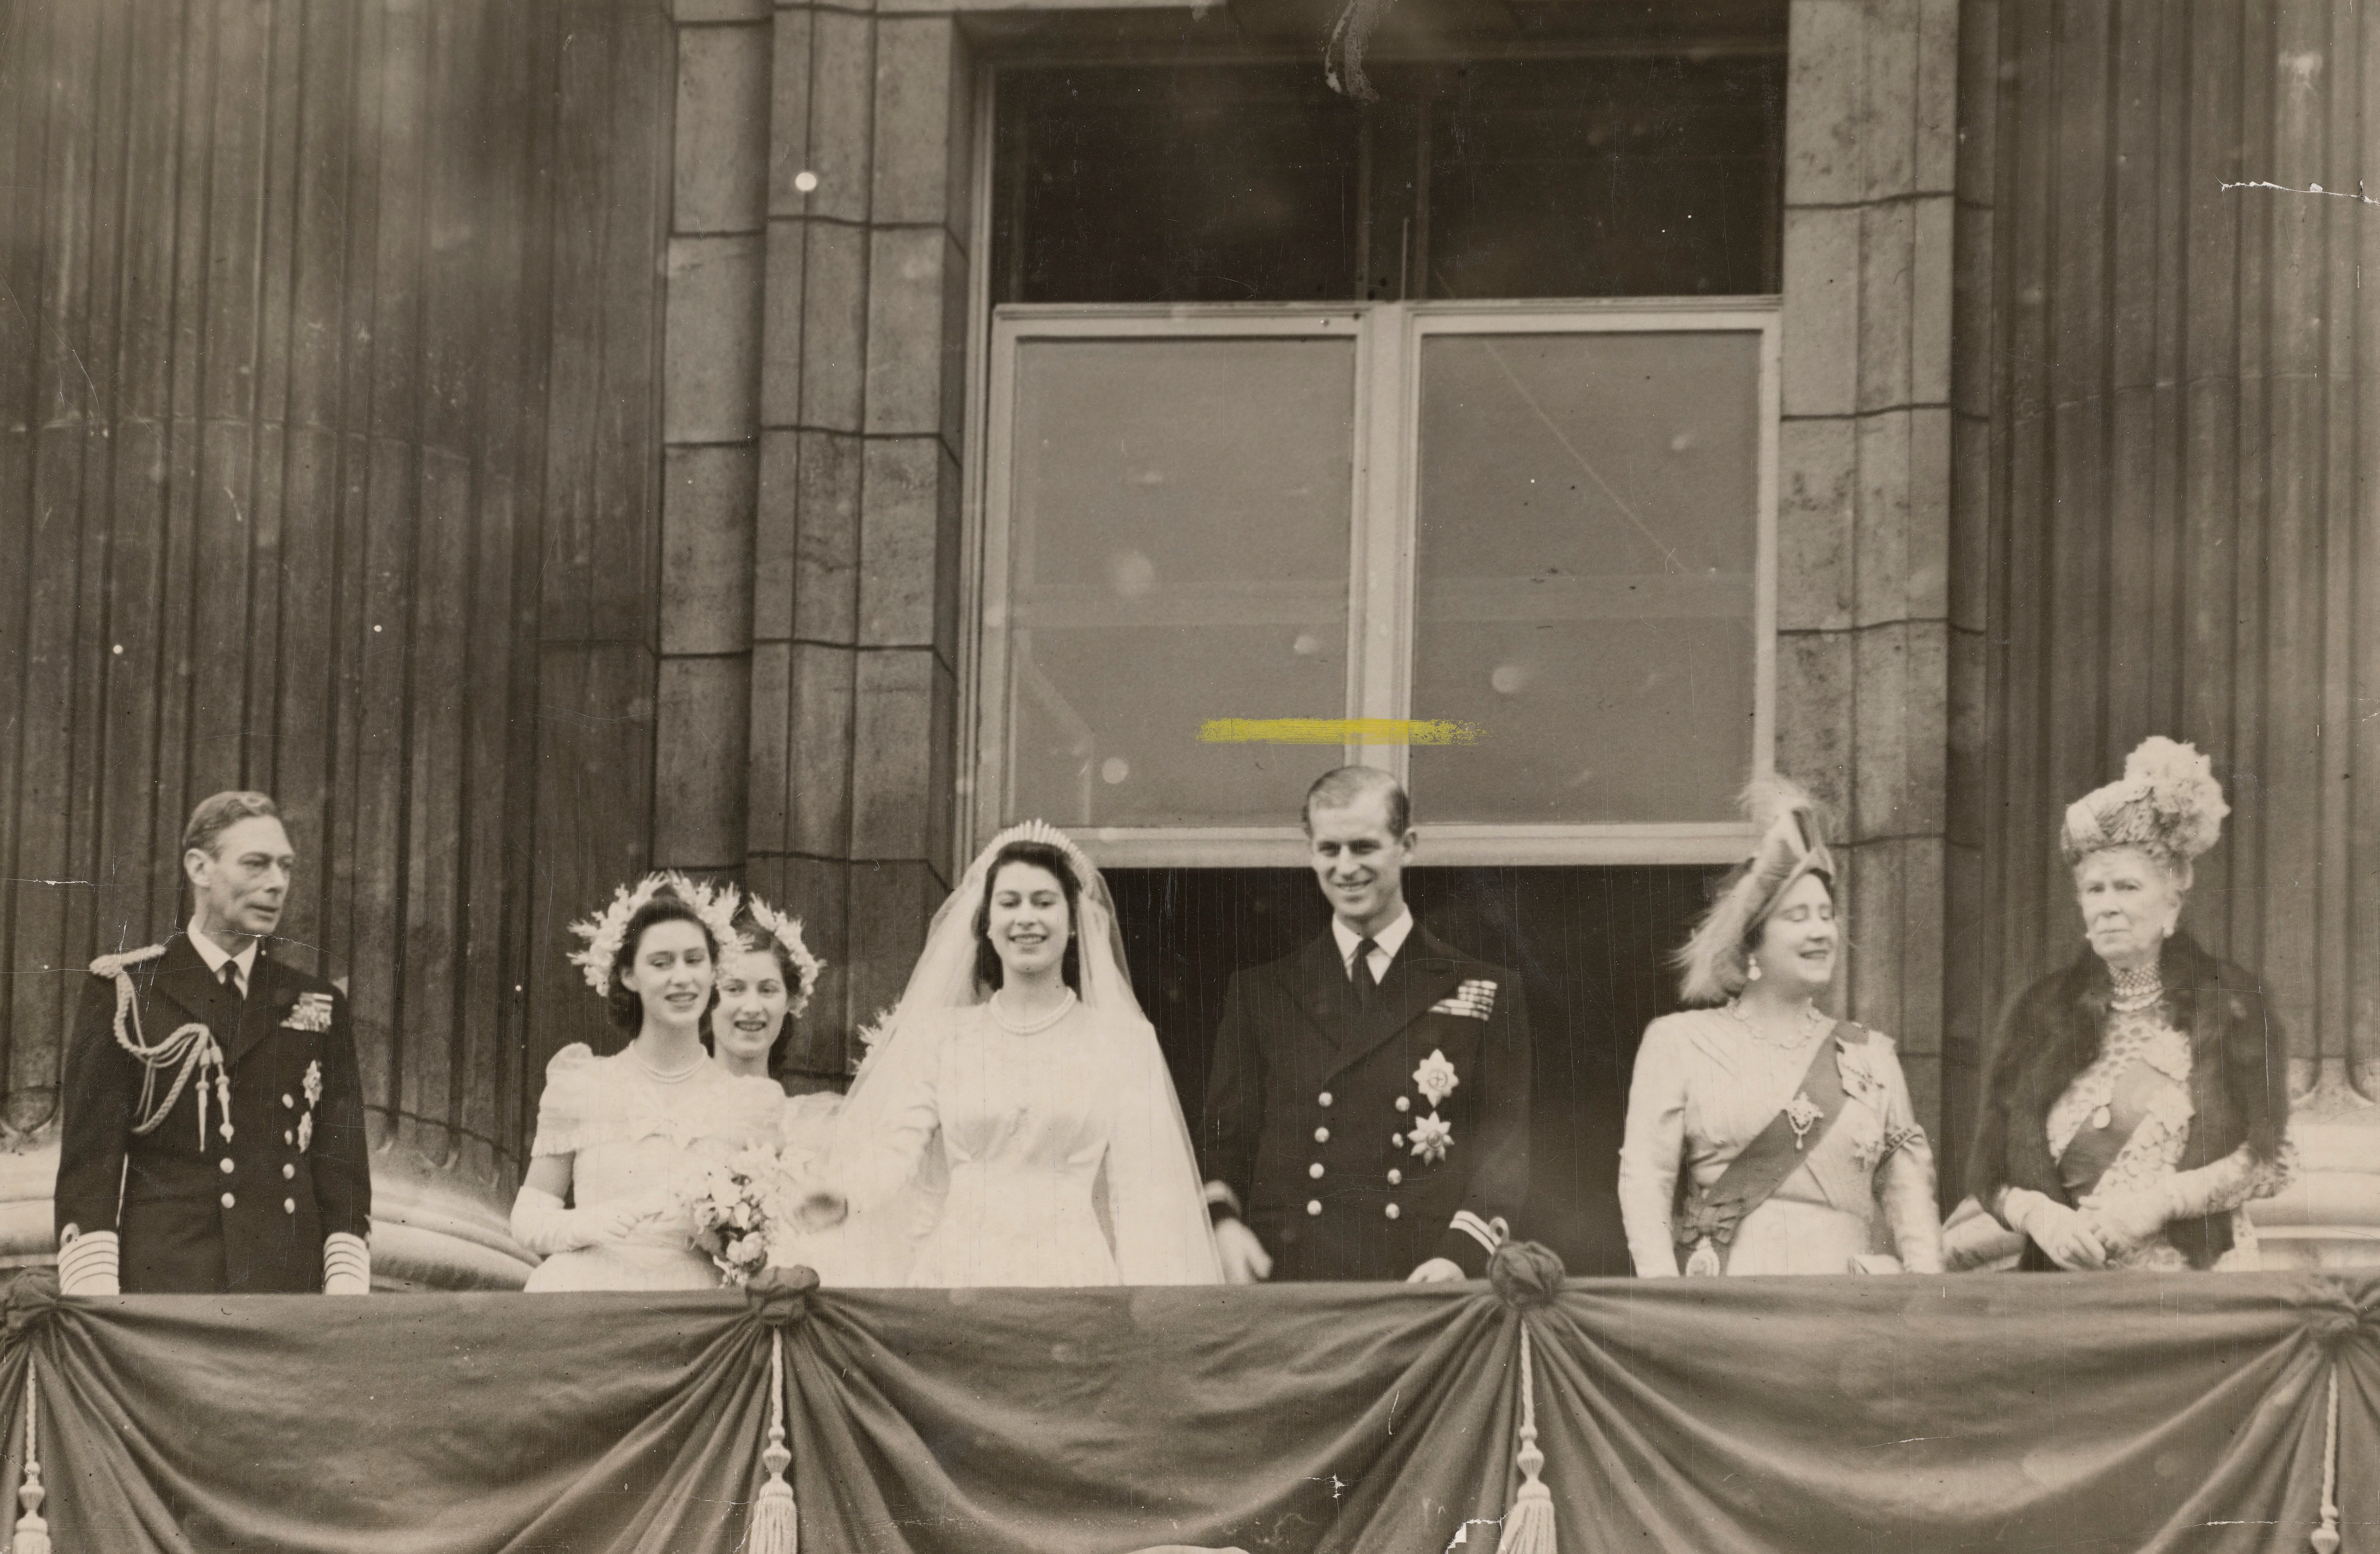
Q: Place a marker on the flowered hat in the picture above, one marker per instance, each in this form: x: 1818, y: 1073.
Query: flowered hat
x: 2167, y: 803
x: 1792, y: 843
x: 606, y: 931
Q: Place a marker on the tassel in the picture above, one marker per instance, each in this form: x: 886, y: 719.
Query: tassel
x: 1529, y: 1522
x: 33, y: 1533
x: 776, y: 1521
x: 2325, y: 1537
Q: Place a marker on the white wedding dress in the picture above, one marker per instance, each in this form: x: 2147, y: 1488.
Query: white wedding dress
x: 973, y: 1155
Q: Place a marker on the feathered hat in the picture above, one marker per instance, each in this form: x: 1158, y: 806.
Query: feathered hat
x: 1792, y: 843
x: 2167, y: 803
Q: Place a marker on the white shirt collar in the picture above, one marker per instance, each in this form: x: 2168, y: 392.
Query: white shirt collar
x: 1389, y: 940
x: 216, y: 955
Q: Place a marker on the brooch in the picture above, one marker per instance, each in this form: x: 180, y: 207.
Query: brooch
x: 1435, y: 1079
x: 1801, y: 1115
x: 1432, y: 1138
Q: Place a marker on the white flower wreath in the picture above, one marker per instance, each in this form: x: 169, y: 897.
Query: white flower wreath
x: 605, y: 933
x: 786, y: 929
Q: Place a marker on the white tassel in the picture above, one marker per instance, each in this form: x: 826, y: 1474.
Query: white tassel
x: 2325, y: 1537
x: 32, y: 1535
x: 776, y: 1521
x: 1529, y: 1522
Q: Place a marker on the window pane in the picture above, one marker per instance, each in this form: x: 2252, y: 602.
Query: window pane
x: 1179, y: 535
x: 1588, y: 533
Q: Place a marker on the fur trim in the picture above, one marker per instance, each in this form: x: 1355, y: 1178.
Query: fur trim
x: 1792, y: 843
x: 2052, y: 1033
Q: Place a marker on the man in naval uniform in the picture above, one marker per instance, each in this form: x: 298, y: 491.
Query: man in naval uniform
x: 214, y: 1136
x: 1367, y: 1108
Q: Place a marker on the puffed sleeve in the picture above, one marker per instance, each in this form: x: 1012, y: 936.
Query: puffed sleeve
x: 1652, y: 1148
x: 566, y: 1112
x: 1904, y: 1177
x: 749, y: 1110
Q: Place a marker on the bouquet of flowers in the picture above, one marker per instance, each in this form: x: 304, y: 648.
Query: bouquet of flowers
x: 735, y: 1202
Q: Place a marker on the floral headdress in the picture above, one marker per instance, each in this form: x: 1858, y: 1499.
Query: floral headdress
x: 1792, y: 843
x: 786, y: 930
x: 607, y: 931
x: 2167, y: 803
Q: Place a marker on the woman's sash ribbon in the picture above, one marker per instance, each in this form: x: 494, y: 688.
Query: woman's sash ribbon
x: 1707, y: 1217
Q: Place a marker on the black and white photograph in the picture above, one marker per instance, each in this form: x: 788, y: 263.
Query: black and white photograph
x: 1189, y: 776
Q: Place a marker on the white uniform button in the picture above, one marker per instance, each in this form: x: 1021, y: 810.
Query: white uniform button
x: 1392, y: 1211
x: 1322, y: 1099
x: 1398, y: 1139
x: 288, y: 1172
x: 1322, y: 1135
x: 1404, y: 1105
x: 288, y: 1103
x: 1313, y: 1206
x: 1395, y: 1177
x: 228, y: 1200
x: 289, y: 1205
x: 288, y: 1135
x: 227, y: 1167
x: 1315, y: 1171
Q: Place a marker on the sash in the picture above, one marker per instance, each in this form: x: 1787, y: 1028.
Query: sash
x: 1707, y: 1217
x: 2092, y: 1149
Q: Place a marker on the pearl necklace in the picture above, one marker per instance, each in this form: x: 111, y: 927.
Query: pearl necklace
x: 657, y: 1075
x: 1030, y: 1027
x: 2136, y: 990
x: 1812, y: 1020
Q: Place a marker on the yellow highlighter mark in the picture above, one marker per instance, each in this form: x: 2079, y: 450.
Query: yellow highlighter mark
x: 1337, y: 731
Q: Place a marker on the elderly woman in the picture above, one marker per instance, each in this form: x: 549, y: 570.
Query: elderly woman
x: 1762, y: 1133
x: 2138, y: 1098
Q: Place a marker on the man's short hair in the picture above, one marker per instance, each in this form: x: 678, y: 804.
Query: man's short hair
x: 219, y: 813
x: 1346, y: 786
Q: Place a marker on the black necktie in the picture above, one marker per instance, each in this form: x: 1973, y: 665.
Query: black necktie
x: 231, y: 982
x: 1367, y: 985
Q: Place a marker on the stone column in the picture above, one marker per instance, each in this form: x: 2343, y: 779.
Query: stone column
x: 1863, y: 517
x: 856, y: 585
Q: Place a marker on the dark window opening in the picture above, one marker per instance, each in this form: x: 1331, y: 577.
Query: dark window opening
x: 1643, y: 173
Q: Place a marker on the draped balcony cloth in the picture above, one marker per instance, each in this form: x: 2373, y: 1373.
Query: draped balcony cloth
x: 2067, y: 1414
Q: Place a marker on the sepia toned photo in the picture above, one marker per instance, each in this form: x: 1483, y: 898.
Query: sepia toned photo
x: 1138, y: 777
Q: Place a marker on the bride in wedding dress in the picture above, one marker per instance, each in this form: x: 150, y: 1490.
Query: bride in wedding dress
x: 1016, y: 1125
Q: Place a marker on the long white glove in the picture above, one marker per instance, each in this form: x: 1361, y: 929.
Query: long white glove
x: 2063, y: 1232
x: 544, y: 1226
x: 88, y: 1263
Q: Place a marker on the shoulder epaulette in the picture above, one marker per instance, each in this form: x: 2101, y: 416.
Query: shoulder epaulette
x: 116, y: 965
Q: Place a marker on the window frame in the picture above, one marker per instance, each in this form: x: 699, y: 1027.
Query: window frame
x: 1381, y: 577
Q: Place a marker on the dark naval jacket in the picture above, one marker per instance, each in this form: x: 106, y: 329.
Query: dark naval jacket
x: 197, y: 1212
x: 1329, y: 1129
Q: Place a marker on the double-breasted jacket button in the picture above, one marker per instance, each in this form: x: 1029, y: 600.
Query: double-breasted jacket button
x: 227, y: 1167
x: 288, y: 1135
x: 288, y: 1205
x: 1395, y: 1176
x: 1322, y: 1099
x: 288, y: 1172
x: 1322, y: 1135
x: 1314, y: 1206
x: 288, y: 1103
x: 1315, y: 1171
x: 1397, y: 1139
x: 1404, y: 1104
x: 1392, y: 1211
x: 228, y: 1200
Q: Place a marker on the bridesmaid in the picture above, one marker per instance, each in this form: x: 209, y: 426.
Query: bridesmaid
x: 766, y: 977
x: 1789, y: 1126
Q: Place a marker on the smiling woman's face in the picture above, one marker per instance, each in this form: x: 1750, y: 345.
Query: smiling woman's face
x: 752, y: 1003
x: 1799, y: 939
x: 672, y: 973
x: 1027, y: 923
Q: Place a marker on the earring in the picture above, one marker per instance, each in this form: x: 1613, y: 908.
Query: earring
x: 1751, y: 971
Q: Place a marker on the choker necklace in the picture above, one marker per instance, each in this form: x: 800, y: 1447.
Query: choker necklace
x: 1030, y: 1027
x: 660, y: 1077
x: 1811, y: 1018
x: 2136, y: 990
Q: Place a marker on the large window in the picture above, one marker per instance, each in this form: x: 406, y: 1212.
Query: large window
x: 1456, y: 409
x: 1546, y: 526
